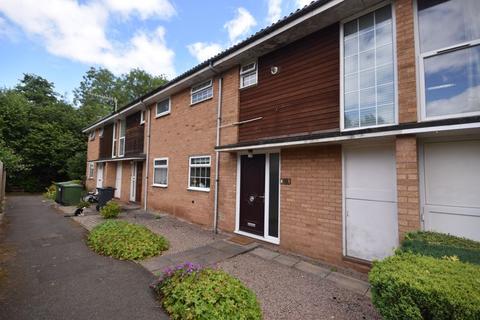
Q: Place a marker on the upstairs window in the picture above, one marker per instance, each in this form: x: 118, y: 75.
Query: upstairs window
x: 163, y: 108
x: 202, y: 92
x: 142, y: 117
x: 449, y: 43
x: 91, y: 135
x: 368, y: 71
x: 100, y: 133
x: 114, y: 140
x: 121, y: 138
x: 199, y: 175
x: 248, y: 75
x: 160, y: 172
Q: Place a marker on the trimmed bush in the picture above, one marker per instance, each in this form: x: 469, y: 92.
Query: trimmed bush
x: 190, y: 292
x: 110, y: 210
x: 51, y: 192
x: 441, y: 245
x: 410, y: 286
x: 125, y: 241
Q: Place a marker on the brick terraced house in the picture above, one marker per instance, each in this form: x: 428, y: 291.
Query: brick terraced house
x: 330, y: 133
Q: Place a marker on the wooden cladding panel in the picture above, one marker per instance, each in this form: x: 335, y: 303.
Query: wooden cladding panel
x: 134, y: 135
x: 106, y: 142
x: 303, y: 97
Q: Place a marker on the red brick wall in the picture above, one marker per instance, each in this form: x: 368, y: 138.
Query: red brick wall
x: 407, y: 184
x: 228, y: 161
x: 311, y: 207
x: 407, y: 90
x: 109, y: 174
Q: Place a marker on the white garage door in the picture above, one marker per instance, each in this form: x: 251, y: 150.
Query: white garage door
x: 370, y: 202
x: 452, y: 188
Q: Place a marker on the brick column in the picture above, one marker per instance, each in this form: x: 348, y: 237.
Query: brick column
x: 407, y: 89
x: 407, y: 184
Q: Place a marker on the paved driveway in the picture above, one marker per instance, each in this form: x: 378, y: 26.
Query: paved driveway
x: 54, y: 275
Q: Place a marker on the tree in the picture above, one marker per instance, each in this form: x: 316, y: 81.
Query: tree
x: 37, y: 89
x: 102, y: 82
x: 41, y: 137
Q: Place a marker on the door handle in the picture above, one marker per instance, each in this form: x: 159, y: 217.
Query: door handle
x: 263, y: 197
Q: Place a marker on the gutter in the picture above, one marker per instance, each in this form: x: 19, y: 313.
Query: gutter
x: 217, y: 154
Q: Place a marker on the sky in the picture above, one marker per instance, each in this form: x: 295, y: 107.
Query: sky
x: 61, y: 39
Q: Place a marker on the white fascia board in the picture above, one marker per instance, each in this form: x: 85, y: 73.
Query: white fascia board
x: 475, y: 125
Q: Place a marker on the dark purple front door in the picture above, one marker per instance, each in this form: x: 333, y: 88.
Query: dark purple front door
x: 252, y: 194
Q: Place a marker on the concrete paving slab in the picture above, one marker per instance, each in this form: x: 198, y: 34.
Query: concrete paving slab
x: 349, y: 283
x: 288, y: 261
x: 264, y: 253
x: 311, y: 268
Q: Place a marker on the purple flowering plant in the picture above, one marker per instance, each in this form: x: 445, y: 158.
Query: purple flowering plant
x: 177, y: 272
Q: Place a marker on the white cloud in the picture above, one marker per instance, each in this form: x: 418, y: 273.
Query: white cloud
x: 465, y: 101
x: 79, y: 32
x: 302, y: 3
x: 240, y: 25
x: 274, y: 10
x: 203, y: 50
x: 144, y: 8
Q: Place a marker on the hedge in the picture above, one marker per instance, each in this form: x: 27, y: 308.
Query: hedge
x: 411, y: 286
x: 441, y: 245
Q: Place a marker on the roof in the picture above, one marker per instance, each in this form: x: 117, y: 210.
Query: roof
x: 259, y: 34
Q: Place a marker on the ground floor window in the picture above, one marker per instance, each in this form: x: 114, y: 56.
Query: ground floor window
x: 90, y: 170
x: 160, y: 172
x: 199, y: 175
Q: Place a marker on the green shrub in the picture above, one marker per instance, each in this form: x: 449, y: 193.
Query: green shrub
x: 110, y: 210
x: 410, y: 286
x: 51, y: 192
x: 189, y: 292
x: 441, y: 245
x: 125, y: 241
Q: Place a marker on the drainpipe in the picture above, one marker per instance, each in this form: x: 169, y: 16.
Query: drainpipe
x: 147, y: 162
x: 217, y: 154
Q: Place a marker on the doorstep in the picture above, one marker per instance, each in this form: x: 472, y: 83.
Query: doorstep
x: 341, y: 280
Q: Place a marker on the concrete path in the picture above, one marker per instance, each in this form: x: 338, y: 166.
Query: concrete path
x: 207, y: 255
x: 54, y: 275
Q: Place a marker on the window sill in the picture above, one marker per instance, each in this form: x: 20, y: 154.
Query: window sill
x: 198, y: 189
x: 369, y: 127
x: 160, y: 185
x: 249, y: 86
x: 162, y: 115
x: 198, y: 102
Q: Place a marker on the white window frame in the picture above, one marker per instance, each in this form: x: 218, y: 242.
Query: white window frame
x: 91, y: 135
x: 142, y: 116
x: 199, y: 166
x: 206, y: 85
x: 164, y: 113
x: 421, y: 57
x: 395, y: 69
x: 91, y: 170
x: 248, y: 72
x: 114, y: 141
x: 121, y: 139
x: 159, y: 167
